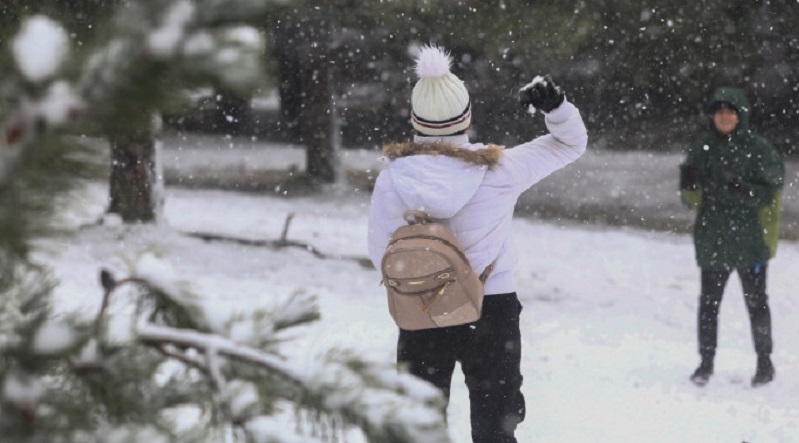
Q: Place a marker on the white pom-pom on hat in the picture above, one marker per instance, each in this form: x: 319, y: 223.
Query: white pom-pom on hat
x: 440, y: 103
x: 432, y: 61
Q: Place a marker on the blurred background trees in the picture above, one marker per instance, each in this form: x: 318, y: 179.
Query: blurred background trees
x: 339, y: 72
x: 640, y: 71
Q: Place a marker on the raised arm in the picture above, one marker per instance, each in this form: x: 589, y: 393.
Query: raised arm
x: 528, y: 163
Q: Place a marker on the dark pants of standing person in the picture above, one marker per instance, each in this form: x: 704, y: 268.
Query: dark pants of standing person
x: 489, y: 351
x: 753, y: 281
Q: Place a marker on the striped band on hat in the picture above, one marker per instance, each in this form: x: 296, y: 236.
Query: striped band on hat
x: 455, y: 123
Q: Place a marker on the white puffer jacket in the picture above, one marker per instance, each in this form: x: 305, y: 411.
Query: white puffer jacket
x: 476, y: 202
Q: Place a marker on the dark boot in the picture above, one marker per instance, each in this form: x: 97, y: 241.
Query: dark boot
x: 765, y: 371
x: 703, y: 372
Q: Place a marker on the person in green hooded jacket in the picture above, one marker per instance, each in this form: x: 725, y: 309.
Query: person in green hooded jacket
x: 733, y: 178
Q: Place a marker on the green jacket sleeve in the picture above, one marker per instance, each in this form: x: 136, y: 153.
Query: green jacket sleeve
x: 692, y: 198
x: 769, y: 180
x: 770, y: 222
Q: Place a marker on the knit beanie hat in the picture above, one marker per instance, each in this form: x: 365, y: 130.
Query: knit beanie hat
x: 440, y: 103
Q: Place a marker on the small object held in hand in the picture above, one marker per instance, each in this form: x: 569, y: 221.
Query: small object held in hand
x: 541, y: 93
x: 689, y: 177
x: 737, y: 187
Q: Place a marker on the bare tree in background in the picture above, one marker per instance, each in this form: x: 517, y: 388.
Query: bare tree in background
x: 135, y: 180
x: 306, y: 89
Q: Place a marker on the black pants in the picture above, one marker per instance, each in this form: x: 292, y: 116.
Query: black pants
x: 489, y: 351
x: 753, y: 281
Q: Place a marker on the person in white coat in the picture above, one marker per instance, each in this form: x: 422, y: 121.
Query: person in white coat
x: 473, y: 189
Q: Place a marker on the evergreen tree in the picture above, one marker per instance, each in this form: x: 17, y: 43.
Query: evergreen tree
x: 66, y: 378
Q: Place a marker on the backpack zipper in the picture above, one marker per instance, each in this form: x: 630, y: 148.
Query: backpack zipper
x: 439, y: 239
x: 426, y: 306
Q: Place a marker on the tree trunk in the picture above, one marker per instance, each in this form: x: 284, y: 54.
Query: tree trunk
x: 306, y: 90
x: 134, y: 176
x: 289, y: 79
x: 317, y: 123
x: 233, y: 113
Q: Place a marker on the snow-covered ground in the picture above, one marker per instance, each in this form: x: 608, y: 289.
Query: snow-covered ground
x: 608, y: 323
x: 619, y: 188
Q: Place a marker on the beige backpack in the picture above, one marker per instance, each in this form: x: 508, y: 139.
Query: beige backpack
x: 429, y: 280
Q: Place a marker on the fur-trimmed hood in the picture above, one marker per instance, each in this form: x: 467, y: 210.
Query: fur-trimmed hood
x: 488, y: 156
x: 439, y: 176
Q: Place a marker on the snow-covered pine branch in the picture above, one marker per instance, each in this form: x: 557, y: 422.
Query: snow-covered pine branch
x: 151, y: 52
x: 388, y: 406
x: 187, y: 357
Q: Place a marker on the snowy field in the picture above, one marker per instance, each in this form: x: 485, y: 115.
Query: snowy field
x: 617, y: 188
x: 608, y: 324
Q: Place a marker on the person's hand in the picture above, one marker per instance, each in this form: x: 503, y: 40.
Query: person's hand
x: 541, y: 93
x: 738, y: 187
x: 689, y: 177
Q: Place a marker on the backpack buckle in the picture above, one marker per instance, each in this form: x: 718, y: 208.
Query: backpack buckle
x: 414, y: 217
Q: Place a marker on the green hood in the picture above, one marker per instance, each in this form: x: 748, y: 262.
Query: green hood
x: 737, y: 98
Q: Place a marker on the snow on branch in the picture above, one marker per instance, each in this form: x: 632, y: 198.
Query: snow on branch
x: 164, y: 40
x: 387, y: 405
x: 40, y: 48
x: 25, y: 303
x: 162, y: 335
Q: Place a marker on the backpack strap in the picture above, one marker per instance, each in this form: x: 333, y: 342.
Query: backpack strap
x: 487, y: 272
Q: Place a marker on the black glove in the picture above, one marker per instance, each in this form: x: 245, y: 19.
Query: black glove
x: 542, y: 93
x: 737, y: 187
x: 689, y: 177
